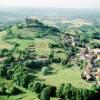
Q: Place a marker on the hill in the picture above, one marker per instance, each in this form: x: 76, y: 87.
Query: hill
x: 33, y: 28
x: 37, y: 57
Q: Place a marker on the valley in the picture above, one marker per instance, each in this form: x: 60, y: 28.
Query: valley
x: 50, y: 55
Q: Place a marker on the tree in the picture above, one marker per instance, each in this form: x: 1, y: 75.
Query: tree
x: 21, y: 76
x: 37, y: 87
x: 81, y: 39
x: 9, y: 60
x: 45, y: 94
x: 82, y: 64
x: 45, y: 70
x: 3, y: 71
x: 20, y: 26
x: 67, y: 91
x: 9, y: 31
x: 60, y: 91
x: 2, y: 88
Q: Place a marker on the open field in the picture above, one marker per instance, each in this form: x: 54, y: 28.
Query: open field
x: 23, y: 43
x: 4, y: 44
x: 65, y: 76
x: 42, y: 47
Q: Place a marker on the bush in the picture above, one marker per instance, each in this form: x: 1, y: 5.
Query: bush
x: 20, y: 26
x: 3, y: 71
x: 68, y: 92
x: 2, y: 89
x: 45, y: 94
x: 54, y: 45
x: 56, y: 59
x: 4, y: 52
x: 60, y: 91
x: 96, y: 35
x: 21, y: 76
x: 95, y: 45
x: 45, y: 70
x: 9, y: 60
x: 52, y: 91
x: 36, y: 86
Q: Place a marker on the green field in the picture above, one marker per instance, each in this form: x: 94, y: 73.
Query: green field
x: 42, y: 47
x: 60, y: 75
x: 4, y: 44
x: 23, y: 43
x: 29, y: 49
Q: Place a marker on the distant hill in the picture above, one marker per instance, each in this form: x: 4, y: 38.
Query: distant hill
x: 32, y: 28
x: 7, y: 18
x: 12, y: 15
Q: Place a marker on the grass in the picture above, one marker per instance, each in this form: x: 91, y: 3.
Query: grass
x: 42, y: 47
x: 26, y: 95
x: 27, y: 32
x: 58, y: 75
x: 4, y: 44
x: 62, y: 75
x: 65, y: 76
x: 23, y: 43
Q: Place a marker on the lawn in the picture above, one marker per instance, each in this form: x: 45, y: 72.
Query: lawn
x: 27, y: 32
x: 60, y: 75
x: 42, y: 47
x: 23, y: 43
x: 4, y: 44
x: 25, y: 95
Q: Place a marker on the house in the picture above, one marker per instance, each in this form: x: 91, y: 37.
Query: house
x: 98, y: 78
x: 3, y: 59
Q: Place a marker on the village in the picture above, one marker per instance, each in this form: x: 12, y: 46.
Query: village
x: 92, y: 70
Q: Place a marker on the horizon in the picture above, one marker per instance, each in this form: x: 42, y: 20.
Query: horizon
x: 7, y: 9
x: 61, y: 4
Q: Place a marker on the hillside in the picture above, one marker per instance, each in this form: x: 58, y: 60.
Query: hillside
x: 33, y: 28
x: 37, y: 57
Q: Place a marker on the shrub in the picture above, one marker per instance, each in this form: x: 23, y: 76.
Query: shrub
x: 9, y: 60
x: 52, y: 91
x: 95, y: 45
x: 45, y: 94
x: 2, y: 89
x: 45, y: 70
x: 21, y: 76
x: 60, y: 91
x: 20, y: 26
x: 3, y: 71
x: 68, y: 92
x: 4, y: 52
x: 54, y: 45
x: 36, y: 86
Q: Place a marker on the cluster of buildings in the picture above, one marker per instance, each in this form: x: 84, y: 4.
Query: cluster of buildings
x: 92, y: 70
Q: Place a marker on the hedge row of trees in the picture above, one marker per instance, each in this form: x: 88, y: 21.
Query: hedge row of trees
x: 64, y: 92
x: 44, y: 91
x: 68, y: 92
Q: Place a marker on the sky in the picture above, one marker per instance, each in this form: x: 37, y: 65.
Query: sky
x: 91, y: 4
